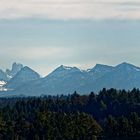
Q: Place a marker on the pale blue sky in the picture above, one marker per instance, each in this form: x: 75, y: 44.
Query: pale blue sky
x: 44, y: 40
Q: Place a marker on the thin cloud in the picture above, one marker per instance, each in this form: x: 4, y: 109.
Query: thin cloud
x: 70, y: 9
x: 37, y: 53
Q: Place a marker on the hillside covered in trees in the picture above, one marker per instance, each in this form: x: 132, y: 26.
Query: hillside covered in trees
x: 111, y: 114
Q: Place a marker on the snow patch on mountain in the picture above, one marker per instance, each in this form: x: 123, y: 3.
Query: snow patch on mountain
x: 62, y: 71
x: 2, y: 83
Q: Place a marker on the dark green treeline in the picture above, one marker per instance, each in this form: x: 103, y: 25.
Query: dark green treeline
x: 111, y: 114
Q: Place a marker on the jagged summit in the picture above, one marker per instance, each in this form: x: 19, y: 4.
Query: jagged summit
x: 16, y: 67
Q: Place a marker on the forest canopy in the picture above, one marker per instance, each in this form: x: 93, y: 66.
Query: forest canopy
x: 110, y: 114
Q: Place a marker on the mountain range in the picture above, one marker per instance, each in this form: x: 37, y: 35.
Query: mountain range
x: 22, y: 80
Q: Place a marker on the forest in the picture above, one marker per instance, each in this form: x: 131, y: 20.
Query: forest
x: 109, y: 115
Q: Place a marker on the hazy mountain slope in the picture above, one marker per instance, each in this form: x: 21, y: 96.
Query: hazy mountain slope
x: 63, y: 80
x: 66, y: 80
x: 124, y: 76
x: 3, y: 76
x: 25, y: 75
x: 99, y: 70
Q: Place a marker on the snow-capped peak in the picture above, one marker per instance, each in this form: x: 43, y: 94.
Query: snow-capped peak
x: 62, y: 71
x: 66, y: 68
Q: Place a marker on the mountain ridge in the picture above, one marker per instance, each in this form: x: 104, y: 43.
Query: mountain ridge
x: 66, y: 80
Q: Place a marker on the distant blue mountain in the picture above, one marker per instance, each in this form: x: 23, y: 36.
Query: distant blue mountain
x: 66, y: 80
x: 24, y: 76
x: 123, y: 76
x: 16, y: 67
x: 99, y: 70
x: 6, y: 76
